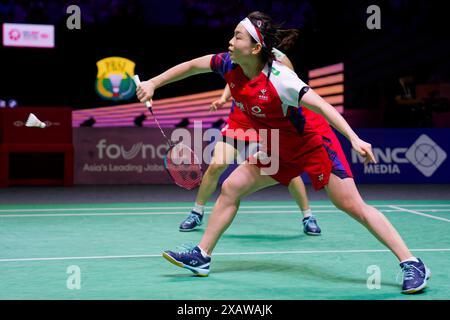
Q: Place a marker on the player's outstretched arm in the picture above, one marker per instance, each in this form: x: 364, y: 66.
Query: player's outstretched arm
x: 226, y: 95
x: 317, y: 104
x: 183, y: 70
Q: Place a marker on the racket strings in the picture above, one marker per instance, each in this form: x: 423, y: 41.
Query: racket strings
x: 159, y: 126
x: 183, y: 166
x: 181, y: 162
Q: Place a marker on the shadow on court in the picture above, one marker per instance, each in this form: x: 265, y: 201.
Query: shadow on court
x: 322, y: 274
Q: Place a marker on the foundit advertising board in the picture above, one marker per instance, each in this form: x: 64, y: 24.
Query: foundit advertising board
x: 127, y: 155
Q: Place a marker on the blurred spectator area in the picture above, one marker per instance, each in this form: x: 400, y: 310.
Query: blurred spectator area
x: 54, y: 11
x: 397, y: 15
x: 437, y: 97
x: 413, y: 41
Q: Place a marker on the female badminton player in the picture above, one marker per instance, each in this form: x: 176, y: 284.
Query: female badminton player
x: 238, y: 128
x: 248, y: 68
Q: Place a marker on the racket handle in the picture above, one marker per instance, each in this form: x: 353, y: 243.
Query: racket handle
x: 137, y: 81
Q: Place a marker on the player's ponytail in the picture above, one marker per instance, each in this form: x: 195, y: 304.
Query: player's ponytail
x: 273, y: 35
x: 287, y: 38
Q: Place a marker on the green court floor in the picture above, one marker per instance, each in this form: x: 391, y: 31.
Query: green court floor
x: 263, y: 255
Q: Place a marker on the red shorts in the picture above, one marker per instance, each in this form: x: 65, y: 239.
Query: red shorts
x: 318, y: 163
x: 237, y: 131
x: 238, y: 126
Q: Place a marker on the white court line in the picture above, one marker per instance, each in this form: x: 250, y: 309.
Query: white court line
x: 419, y: 213
x: 148, y: 208
x: 190, y: 207
x: 105, y: 214
x: 420, y: 205
x: 143, y: 213
x: 169, y: 213
x: 220, y: 254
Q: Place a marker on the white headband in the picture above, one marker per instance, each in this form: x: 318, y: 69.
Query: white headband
x: 254, y: 32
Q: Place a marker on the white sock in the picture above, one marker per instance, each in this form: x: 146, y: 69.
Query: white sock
x: 307, y: 213
x: 411, y: 259
x: 198, y: 208
x: 204, y: 254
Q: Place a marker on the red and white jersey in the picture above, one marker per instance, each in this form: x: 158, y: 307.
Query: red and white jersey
x: 238, y: 120
x: 273, y: 103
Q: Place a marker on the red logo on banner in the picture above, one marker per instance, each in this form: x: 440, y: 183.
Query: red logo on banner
x: 14, y: 34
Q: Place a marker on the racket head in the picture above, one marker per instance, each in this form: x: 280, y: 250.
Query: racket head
x: 183, y: 166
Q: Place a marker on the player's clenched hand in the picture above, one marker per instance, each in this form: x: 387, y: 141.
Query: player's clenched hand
x: 364, y: 149
x: 217, y: 104
x: 145, y: 91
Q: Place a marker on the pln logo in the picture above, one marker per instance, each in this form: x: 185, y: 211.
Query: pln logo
x: 14, y: 34
x: 115, y: 79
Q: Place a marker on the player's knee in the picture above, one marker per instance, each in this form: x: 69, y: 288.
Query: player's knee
x: 353, y: 207
x: 358, y: 211
x: 364, y: 212
x: 232, y: 188
x: 216, y: 169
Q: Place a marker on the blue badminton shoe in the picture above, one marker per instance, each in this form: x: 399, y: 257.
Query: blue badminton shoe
x: 191, y: 258
x: 191, y: 222
x: 415, y: 276
x: 310, y: 226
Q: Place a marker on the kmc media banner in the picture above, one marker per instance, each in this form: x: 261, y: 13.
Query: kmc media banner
x: 403, y: 156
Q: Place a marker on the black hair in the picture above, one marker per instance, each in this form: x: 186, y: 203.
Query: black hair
x: 273, y: 35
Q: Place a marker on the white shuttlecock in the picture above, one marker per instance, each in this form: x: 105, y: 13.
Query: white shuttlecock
x: 33, y: 121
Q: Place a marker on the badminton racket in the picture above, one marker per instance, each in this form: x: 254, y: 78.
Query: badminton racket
x: 180, y: 161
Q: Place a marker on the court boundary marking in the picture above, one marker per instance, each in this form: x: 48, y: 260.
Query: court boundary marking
x: 206, y: 207
x: 106, y: 214
x: 419, y: 213
x: 219, y: 254
x: 333, y: 209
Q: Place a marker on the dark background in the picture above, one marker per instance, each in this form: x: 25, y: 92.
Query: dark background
x: 156, y: 35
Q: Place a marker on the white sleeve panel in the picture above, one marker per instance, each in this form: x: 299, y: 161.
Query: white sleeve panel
x: 287, y: 84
